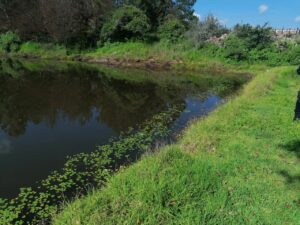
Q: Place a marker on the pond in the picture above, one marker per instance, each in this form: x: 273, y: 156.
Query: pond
x: 51, y: 110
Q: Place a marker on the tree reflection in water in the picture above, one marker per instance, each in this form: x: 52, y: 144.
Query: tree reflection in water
x: 49, y: 110
x: 36, y: 92
x: 41, y: 96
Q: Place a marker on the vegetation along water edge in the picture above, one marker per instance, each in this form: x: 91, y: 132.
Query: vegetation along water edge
x: 239, y: 165
x: 242, y: 170
x: 38, y: 203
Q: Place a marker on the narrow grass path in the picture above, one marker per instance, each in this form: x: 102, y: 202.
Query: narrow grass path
x: 240, y: 165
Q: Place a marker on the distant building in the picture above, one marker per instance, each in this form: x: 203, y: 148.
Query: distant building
x: 286, y: 32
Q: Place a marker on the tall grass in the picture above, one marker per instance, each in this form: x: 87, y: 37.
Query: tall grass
x: 43, y: 50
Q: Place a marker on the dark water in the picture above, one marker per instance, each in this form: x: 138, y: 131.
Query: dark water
x: 49, y: 111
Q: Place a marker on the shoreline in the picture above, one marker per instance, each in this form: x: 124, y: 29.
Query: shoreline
x: 248, y: 171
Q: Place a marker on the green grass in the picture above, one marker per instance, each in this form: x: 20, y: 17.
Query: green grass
x: 180, y: 56
x: 240, y: 165
x: 44, y: 51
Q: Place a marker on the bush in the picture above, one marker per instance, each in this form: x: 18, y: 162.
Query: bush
x: 127, y: 22
x: 171, y: 30
x: 259, y: 37
x: 235, y: 48
x: 9, y: 42
x: 292, y: 55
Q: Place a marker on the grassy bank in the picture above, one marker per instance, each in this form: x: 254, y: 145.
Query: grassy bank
x: 238, y: 166
x: 158, y: 55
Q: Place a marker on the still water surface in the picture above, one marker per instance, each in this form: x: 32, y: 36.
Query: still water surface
x: 49, y: 111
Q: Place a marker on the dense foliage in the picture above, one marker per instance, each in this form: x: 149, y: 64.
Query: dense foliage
x: 258, y: 37
x: 172, y: 30
x: 79, y: 22
x: 75, y: 25
x: 9, y: 42
x: 158, y: 10
x: 64, y: 21
x: 256, y: 44
x: 235, y: 48
x: 127, y: 23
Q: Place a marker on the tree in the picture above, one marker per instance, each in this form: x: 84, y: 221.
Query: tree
x: 58, y: 20
x: 70, y: 21
x: 22, y: 16
x: 202, y: 31
x: 171, y: 30
x: 127, y: 22
x: 184, y: 10
x: 4, y: 17
x: 235, y: 48
x: 258, y: 37
x: 158, y: 10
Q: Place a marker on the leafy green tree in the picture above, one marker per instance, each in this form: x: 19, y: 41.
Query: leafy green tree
x: 184, y: 10
x: 258, y: 37
x: 155, y: 10
x: 158, y: 10
x: 235, y: 48
x: 127, y: 22
x: 172, y: 30
x: 73, y: 21
x: 64, y: 21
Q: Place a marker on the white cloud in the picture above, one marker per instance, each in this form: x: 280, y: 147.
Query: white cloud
x: 297, y: 19
x: 263, y: 8
x: 197, y: 15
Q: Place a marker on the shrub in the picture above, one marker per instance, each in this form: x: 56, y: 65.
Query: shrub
x: 171, y: 30
x: 127, y: 22
x: 235, y: 48
x: 9, y: 42
x: 259, y: 37
x: 292, y: 55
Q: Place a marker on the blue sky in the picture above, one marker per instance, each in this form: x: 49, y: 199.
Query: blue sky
x: 278, y: 13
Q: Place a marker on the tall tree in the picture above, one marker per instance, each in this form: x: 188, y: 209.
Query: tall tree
x: 184, y: 10
x: 72, y: 20
x: 60, y: 20
x: 4, y: 17
x: 158, y: 10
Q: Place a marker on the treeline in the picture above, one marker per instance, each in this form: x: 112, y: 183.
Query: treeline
x: 83, y: 22
x: 68, y: 25
x: 63, y: 21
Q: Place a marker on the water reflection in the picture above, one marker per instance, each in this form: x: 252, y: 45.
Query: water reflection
x: 4, y: 146
x: 51, y: 110
x: 40, y: 97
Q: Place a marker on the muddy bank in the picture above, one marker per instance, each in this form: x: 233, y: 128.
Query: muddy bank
x: 150, y: 63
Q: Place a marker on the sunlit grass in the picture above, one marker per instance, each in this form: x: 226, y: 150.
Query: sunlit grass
x: 238, y: 166
x: 43, y: 50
